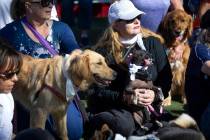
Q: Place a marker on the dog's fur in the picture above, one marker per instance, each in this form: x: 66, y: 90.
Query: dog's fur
x: 82, y: 68
x: 104, y: 133
x: 176, y: 30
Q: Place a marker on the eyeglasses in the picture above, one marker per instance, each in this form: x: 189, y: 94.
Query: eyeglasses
x: 44, y: 3
x: 8, y: 75
x: 131, y: 20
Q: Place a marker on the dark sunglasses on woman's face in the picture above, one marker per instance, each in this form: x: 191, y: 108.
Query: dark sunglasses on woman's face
x: 9, y: 75
x: 44, y: 3
x: 131, y: 20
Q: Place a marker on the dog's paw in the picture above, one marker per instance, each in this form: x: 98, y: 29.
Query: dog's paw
x: 167, y: 101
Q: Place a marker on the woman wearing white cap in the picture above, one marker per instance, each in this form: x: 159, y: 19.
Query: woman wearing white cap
x: 121, y: 38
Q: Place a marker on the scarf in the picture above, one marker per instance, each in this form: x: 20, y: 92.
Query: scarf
x: 132, y: 41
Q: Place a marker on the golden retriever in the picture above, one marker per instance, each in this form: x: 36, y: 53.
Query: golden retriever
x: 176, y: 30
x: 42, y: 84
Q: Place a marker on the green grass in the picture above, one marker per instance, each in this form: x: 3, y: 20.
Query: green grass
x: 176, y: 108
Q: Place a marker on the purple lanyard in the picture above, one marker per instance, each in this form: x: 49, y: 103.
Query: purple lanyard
x: 41, y: 39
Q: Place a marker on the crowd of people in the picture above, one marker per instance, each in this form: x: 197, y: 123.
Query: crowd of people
x: 131, y: 104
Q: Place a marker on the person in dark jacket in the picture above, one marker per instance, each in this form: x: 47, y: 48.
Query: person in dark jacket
x: 197, y: 82
x: 121, y: 39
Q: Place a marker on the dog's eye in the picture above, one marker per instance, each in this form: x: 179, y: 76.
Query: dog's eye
x: 182, y: 20
x: 99, y: 63
x: 172, y: 21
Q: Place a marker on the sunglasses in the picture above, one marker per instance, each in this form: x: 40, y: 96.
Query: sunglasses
x: 8, y: 75
x: 44, y: 3
x: 131, y: 20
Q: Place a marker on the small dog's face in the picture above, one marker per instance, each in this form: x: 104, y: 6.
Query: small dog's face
x: 177, y: 25
x: 141, y: 58
x: 144, y: 59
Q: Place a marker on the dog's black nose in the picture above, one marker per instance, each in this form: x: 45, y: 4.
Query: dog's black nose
x: 114, y: 74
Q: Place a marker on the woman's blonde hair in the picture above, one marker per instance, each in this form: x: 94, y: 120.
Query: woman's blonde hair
x: 110, y: 41
x: 17, y: 9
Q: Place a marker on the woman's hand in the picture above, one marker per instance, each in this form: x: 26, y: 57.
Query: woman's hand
x: 144, y: 97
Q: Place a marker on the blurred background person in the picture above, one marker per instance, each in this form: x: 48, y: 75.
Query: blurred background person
x: 5, y: 12
x: 155, y: 11
x: 84, y: 19
x: 197, y: 83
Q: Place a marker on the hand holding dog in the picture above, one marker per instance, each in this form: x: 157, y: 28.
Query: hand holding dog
x: 140, y: 97
x: 139, y: 93
x: 144, y: 97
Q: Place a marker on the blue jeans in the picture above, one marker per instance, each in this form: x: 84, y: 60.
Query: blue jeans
x: 74, y: 122
x: 85, y: 15
x: 205, y: 122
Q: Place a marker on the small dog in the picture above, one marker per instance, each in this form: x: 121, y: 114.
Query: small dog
x: 176, y: 30
x: 140, y: 63
x: 140, y: 66
x: 43, y: 82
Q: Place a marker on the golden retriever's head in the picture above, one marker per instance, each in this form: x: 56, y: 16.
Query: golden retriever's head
x: 177, y: 27
x: 90, y: 67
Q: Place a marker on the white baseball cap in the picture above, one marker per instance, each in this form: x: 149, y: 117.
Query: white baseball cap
x: 123, y: 9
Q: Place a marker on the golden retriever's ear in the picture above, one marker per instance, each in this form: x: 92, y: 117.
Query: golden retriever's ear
x: 76, y: 68
x: 190, y: 26
x: 86, y: 67
x: 165, y: 28
x: 165, y: 21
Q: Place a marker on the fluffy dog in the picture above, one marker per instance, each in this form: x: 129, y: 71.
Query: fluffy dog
x: 42, y: 84
x: 176, y: 29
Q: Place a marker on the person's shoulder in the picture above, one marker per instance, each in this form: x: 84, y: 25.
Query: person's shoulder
x: 151, y: 36
x: 59, y: 24
x: 152, y: 40
x: 12, y: 24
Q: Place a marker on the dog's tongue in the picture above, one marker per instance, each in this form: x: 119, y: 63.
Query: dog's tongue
x: 179, y: 38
